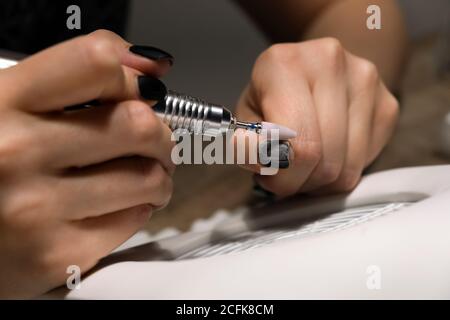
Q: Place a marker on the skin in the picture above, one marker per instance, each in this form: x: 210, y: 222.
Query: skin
x: 120, y: 152
x: 332, y: 89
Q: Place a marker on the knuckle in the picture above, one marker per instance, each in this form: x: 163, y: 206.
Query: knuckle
x: 390, y: 110
x: 348, y: 180
x: 8, y: 152
x: 367, y: 73
x: 333, y: 52
x: 328, y: 173
x: 282, y: 56
x: 331, y: 46
x: 12, y: 150
x: 98, y: 53
x: 309, y: 152
x: 166, y: 192
x: 157, y: 181
x: 102, y: 34
x: 280, y: 53
x: 143, y: 123
x: 21, y: 211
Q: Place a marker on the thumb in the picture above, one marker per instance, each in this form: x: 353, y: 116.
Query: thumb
x: 245, y: 143
x: 270, y: 153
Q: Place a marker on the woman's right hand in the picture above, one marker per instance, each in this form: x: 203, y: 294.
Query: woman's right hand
x: 75, y: 185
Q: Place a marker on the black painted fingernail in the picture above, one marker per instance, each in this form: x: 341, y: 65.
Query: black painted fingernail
x: 160, y: 107
x: 151, y: 88
x: 152, y: 53
x: 261, y: 192
x: 283, y: 155
x: 274, y: 154
x: 265, y: 150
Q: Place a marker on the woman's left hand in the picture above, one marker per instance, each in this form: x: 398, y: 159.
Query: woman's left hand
x: 343, y: 113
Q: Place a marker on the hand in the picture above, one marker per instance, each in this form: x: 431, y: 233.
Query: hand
x: 75, y: 185
x: 343, y: 113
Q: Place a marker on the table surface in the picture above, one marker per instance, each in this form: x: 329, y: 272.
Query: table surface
x: 200, y: 190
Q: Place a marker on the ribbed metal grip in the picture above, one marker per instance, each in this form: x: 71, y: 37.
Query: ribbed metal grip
x: 194, y: 115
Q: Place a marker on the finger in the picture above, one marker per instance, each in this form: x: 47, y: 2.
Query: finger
x: 364, y: 84
x: 103, y: 133
x: 138, y: 58
x: 147, y: 60
x: 288, y: 102
x: 114, y: 186
x: 245, y: 144
x: 331, y: 103
x: 99, y: 236
x: 83, y: 69
x: 242, y: 141
x: 385, y: 118
x: 245, y: 149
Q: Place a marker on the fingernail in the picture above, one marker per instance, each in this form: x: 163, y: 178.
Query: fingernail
x: 284, y: 149
x: 151, y: 88
x: 274, y: 154
x: 264, y: 153
x: 160, y: 106
x: 152, y: 53
x: 260, y: 191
